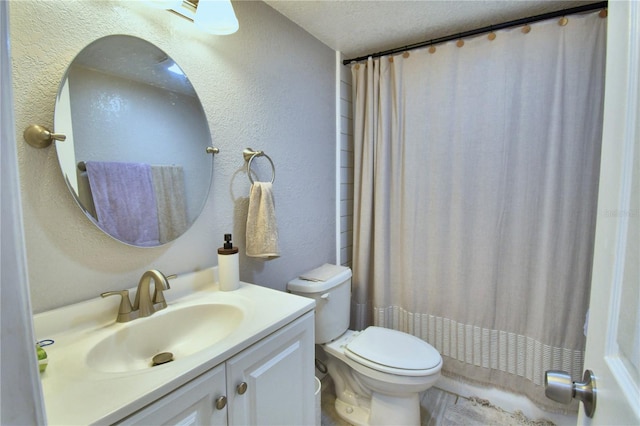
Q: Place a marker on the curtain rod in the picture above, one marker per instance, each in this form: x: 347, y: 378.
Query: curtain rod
x: 471, y: 33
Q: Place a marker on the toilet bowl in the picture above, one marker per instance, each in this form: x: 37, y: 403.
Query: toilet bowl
x: 378, y: 373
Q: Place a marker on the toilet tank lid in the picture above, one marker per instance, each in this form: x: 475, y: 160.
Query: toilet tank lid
x: 320, y: 279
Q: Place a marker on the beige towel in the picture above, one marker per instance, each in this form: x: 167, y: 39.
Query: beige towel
x: 262, y: 229
x: 168, y: 182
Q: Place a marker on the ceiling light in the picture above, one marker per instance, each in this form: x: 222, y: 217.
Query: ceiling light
x: 163, y: 4
x: 216, y: 17
x: 211, y: 16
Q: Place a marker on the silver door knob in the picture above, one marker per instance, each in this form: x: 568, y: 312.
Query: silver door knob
x: 559, y: 387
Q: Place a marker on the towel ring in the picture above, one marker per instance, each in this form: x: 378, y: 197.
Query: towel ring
x: 249, y: 154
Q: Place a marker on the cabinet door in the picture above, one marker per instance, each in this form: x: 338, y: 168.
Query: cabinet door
x: 190, y: 405
x: 272, y: 382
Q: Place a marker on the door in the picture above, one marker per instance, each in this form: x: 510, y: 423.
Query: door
x: 272, y: 382
x: 613, y: 340
x: 199, y: 402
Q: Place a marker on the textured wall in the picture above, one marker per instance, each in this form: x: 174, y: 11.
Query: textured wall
x: 270, y: 86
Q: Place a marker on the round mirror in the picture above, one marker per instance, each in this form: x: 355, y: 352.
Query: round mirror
x: 135, y: 155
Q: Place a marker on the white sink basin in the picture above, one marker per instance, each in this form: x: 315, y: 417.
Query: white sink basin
x: 182, y: 332
x: 100, y: 371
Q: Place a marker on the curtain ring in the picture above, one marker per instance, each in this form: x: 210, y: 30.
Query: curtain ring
x: 492, y: 35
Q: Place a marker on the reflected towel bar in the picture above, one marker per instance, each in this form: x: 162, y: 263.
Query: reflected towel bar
x: 82, y: 166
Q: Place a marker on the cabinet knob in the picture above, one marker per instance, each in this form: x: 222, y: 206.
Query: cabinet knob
x: 221, y: 402
x: 242, y: 388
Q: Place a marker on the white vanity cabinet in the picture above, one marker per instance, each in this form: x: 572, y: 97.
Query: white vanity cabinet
x: 269, y: 383
x: 191, y: 404
x: 272, y: 382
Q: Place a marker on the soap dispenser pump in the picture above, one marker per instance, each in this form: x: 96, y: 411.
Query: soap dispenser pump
x: 228, y: 265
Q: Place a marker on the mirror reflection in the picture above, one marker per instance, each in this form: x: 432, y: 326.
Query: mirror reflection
x: 135, y: 154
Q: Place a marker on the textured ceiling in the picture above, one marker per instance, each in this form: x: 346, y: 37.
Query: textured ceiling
x: 134, y: 59
x: 361, y: 27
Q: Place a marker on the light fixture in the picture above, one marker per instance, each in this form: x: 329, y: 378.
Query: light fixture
x: 163, y: 4
x: 211, y: 16
x: 216, y: 17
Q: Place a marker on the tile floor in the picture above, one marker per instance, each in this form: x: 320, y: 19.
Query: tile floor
x: 433, y: 404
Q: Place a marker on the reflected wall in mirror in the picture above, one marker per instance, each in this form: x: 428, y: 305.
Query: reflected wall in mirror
x: 135, y: 155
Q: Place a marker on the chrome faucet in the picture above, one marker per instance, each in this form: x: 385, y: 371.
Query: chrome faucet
x: 144, y: 305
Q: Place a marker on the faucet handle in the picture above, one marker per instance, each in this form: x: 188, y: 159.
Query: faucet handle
x: 125, y: 310
x: 170, y: 277
x: 158, y: 296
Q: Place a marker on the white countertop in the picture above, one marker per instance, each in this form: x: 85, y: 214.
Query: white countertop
x: 77, y: 394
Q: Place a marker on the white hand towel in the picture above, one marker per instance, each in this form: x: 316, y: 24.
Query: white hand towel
x: 262, y: 229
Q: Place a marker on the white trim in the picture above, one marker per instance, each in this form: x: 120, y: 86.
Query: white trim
x: 338, y: 162
x: 629, y: 387
x: 619, y: 368
x: 615, y: 404
x: 624, y: 201
x: 22, y: 400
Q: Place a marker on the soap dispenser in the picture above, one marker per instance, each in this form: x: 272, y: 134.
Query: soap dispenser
x: 228, y: 266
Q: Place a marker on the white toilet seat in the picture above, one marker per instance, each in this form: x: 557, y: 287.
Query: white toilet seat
x: 387, y: 351
x: 393, y: 352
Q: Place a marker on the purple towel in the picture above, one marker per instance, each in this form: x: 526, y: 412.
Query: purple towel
x: 125, y: 201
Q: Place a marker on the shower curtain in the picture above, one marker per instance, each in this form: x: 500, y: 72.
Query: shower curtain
x: 475, y: 182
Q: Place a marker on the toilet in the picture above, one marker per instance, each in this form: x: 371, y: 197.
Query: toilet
x: 378, y: 373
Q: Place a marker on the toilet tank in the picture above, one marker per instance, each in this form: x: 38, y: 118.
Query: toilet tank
x: 330, y: 286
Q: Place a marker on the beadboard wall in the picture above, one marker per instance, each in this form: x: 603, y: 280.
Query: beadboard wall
x: 346, y: 164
